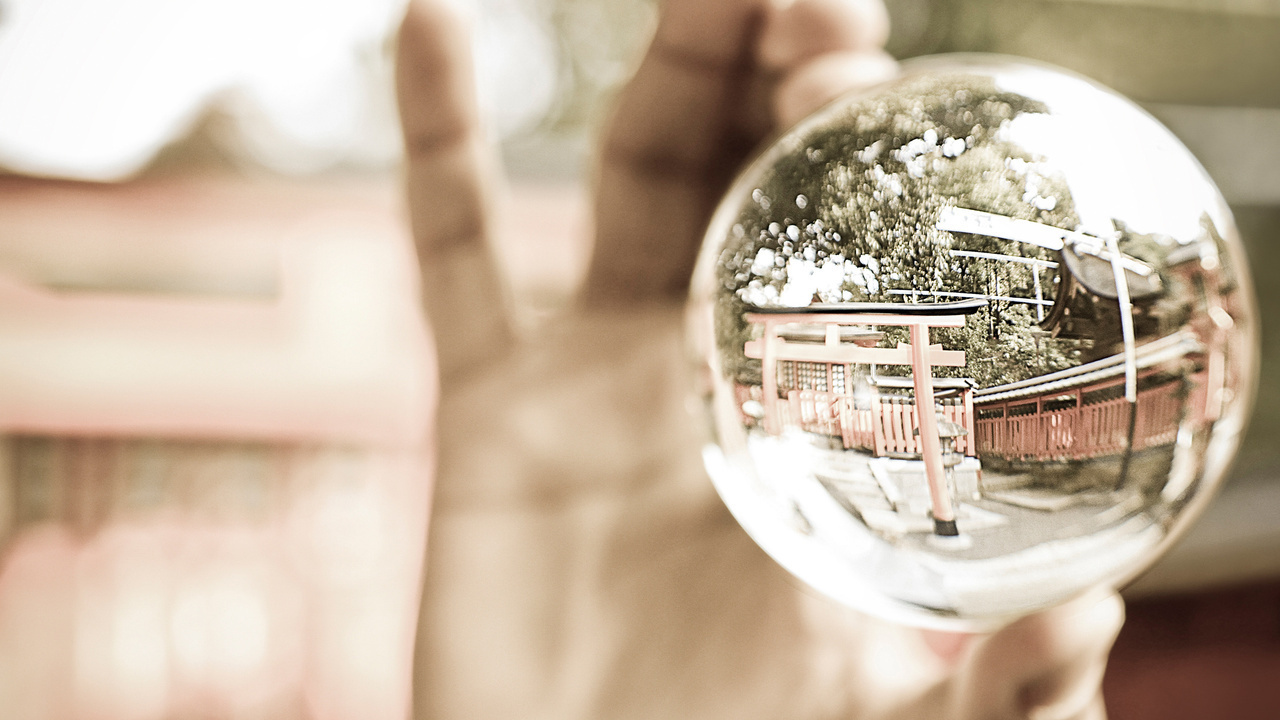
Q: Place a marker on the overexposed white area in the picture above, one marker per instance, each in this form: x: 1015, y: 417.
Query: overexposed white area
x: 775, y: 482
x: 94, y: 89
x: 1118, y: 161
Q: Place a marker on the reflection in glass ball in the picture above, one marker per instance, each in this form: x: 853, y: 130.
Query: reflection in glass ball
x: 1030, y: 257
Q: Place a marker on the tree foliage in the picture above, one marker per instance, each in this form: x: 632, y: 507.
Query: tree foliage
x: 849, y: 212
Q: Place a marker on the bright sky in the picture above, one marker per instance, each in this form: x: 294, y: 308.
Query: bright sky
x: 1118, y: 160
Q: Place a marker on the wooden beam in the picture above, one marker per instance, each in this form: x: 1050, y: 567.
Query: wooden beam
x: 858, y: 319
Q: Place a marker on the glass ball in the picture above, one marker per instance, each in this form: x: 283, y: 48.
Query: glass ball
x: 1032, y: 259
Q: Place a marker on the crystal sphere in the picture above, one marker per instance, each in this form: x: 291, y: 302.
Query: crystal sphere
x: 979, y: 339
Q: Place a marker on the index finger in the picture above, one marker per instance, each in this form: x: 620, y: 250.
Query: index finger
x: 702, y: 101
x: 677, y: 133
x: 450, y: 181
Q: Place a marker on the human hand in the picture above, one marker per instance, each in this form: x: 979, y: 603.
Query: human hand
x: 579, y: 562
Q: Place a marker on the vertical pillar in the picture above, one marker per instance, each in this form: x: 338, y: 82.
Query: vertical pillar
x: 971, y: 439
x: 944, y: 517
x: 769, y: 377
x: 877, y: 424
x: 1215, y: 381
x: 1130, y: 352
x: 1077, y: 425
x: 1041, y: 430
x: 1035, y: 274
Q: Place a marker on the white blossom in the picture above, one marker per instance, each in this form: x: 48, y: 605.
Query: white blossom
x: 763, y: 264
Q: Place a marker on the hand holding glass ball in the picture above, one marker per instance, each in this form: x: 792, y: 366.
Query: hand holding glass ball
x: 981, y: 339
x: 581, y: 564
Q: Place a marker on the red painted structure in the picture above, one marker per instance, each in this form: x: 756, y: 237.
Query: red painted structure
x: 881, y: 421
x: 1082, y: 413
x: 921, y: 355
x: 1068, y: 415
x: 808, y: 377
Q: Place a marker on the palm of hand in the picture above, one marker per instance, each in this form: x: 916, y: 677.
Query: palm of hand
x: 577, y: 532
x: 579, y: 563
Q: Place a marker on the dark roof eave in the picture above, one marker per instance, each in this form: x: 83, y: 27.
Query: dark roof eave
x: 962, y: 307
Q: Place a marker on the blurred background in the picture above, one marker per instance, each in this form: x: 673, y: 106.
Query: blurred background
x: 214, y: 477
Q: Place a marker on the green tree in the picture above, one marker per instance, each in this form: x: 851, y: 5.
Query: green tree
x: 850, y: 212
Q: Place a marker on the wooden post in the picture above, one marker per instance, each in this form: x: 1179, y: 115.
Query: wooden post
x: 1041, y: 430
x: 971, y: 440
x: 1215, y: 380
x: 769, y: 378
x: 877, y: 424
x: 944, y: 518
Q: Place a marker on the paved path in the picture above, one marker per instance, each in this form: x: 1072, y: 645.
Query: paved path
x: 1018, y: 517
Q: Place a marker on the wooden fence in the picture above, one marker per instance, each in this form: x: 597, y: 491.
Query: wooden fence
x: 1084, y: 422
x: 886, y: 427
x: 895, y: 433
x: 1071, y: 426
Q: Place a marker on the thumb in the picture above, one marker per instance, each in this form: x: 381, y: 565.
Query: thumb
x: 1047, y: 666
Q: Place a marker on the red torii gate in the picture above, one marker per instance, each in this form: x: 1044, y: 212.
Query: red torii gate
x: 920, y: 355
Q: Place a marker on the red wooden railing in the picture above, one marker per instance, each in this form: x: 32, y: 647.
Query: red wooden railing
x: 896, y: 430
x: 1030, y: 428
x: 887, y: 427
x: 1079, y: 431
